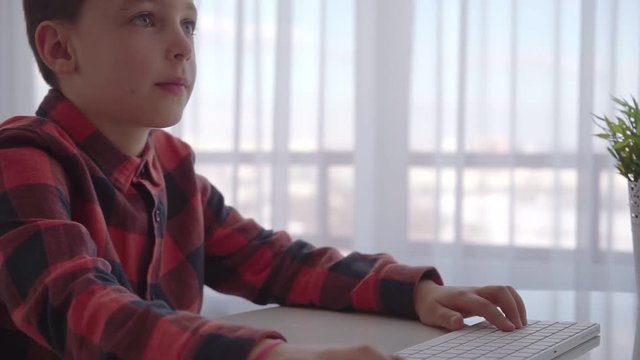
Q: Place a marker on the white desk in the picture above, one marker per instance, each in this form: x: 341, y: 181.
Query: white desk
x: 616, y: 312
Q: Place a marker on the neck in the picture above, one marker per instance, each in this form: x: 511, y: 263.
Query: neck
x: 129, y: 140
x: 127, y: 136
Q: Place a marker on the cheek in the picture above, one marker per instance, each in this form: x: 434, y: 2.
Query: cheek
x: 120, y: 62
x: 91, y: 62
x: 192, y: 70
x: 131, y: 65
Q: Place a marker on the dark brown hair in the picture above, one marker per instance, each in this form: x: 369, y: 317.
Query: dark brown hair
x: 37, y: 11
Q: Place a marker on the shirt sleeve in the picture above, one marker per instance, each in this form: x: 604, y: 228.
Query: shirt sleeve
x: 263, y: 266
x: 64, y: 297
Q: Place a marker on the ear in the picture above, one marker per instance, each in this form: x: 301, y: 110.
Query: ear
x: 52, y: 41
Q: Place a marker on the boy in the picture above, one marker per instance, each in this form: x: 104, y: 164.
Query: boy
x: 107, y: 235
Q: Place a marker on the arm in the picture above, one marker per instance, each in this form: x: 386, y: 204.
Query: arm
x: 63, y: 296
x: 263, y: 266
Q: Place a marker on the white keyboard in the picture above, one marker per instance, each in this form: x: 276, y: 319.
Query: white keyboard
x: 539, y: 340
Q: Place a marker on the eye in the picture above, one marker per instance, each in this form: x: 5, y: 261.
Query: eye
x: 189, y: 27
x: 144, y: 20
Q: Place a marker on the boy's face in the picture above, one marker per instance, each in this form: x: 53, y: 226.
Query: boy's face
x: 135, y: 61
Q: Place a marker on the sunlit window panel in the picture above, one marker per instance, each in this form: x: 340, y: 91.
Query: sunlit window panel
x: 450, y: 55
x: 257, y: 81
x: 614, y: 215
x: 617, y: 55
x: 447, y: 203
x: 485, y: 211
x: 432, y: 205
x: 254, y: 190
x: 487, y: 79
x: 534, y: 78
x: 341, y: 201
x: 424, y: 109
x: 220, y: 176
x: 212, y: 124
x: 568, y: 75
x: 604, y: 61
x: 339, y: 79
x: 303, y: 200
x: 565, y: 195
x: 628, y: 49
x: 533, y: 208
x: 305, y: 60
x: 423, y: 195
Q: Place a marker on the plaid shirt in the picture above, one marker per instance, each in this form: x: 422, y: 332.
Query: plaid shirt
x: 103, y: 255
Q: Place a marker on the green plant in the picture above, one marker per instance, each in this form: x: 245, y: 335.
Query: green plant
x: 623, y: 136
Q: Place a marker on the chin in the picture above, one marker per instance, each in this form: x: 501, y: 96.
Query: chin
x: 163, y: 124
x: 166, y: 119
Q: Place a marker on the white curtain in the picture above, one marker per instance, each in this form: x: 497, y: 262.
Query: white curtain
x: 457, y: 133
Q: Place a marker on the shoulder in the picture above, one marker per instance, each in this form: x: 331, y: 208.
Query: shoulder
x: 177, y: 157
x: 36, y: 150
x: 32, y: 151
x: 171, y: 149
x: 35, y: 132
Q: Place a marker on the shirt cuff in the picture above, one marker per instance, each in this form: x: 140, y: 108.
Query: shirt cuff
x: 397, y: 288
x: 233, y: 345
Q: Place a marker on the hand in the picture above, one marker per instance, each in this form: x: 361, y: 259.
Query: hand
x: 447, y: 306
x: 290, y: 352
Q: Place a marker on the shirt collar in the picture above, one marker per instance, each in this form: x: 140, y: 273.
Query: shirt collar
x: 119, y: 167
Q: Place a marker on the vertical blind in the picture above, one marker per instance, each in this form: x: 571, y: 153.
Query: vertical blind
x: 456, y: 133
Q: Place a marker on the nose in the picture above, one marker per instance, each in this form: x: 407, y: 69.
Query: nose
x: 180, y: 46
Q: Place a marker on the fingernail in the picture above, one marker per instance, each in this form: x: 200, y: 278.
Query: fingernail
x: 517, y: 324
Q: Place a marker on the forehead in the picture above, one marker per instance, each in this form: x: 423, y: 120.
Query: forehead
x: 178, y: 4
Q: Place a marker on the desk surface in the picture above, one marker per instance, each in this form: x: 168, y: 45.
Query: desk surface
x: 616, y: 312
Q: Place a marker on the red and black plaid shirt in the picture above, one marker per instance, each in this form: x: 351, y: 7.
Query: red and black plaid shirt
x: 103, y: 255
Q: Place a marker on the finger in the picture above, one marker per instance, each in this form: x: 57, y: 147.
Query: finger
x: 478, y: 305
x: 503, y: 298
x: 447, y: 318
x: 520, y: 303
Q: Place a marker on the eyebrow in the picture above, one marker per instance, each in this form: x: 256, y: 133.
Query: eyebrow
x: 129, y: 3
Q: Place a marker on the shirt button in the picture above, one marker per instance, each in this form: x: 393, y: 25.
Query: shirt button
x: 156, y: 216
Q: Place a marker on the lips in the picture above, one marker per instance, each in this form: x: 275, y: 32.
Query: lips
x: 174, y: 86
